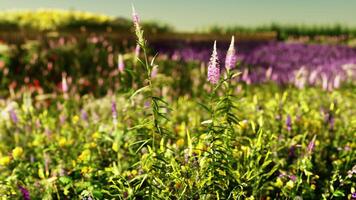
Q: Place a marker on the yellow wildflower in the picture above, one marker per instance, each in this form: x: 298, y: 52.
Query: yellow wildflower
x: 5, y: 160
x: 180, y: 143
x: 84, y: 156
x: 17, y: 152
x: 96, y: 135
x: 62, y: 142
x: 86, y: 170
x: 279, y: 183
x: 115, y: 146
x: 75, y: 119
x: 290, y: 184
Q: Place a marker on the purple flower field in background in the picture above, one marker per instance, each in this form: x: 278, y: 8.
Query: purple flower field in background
x: 281, y: 62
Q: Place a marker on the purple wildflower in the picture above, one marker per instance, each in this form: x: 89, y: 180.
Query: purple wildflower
x: 147, y: 104
x: 289, y: 123
x: 311, y: 145
x: 13, y: 116
x: 121, y: 64
x: 84, y: 115
x: 353, y: 196
x: 331, y: 122
x: 230, y: 60
x: 291, y: 153
x: 292, y: 177
x: 213, y: 67
x: 62, y: 118
x: 25, y: 193
x: 113, y: 110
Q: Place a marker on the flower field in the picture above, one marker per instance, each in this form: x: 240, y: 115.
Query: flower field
x: 87, y: 118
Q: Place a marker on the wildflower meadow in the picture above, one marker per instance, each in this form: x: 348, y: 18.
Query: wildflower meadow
x: 87, y: 117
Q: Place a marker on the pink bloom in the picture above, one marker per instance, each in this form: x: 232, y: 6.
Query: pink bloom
x: 311, y: 145
x: 64, y: 84
x: 137, y: 51
x: 121, y: 64
x: 213, y: 67
x: 230, y: 60
x: 154, y: 71
x: 135, y: 17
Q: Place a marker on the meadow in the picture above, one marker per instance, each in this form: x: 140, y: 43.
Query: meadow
x: 91, y: 118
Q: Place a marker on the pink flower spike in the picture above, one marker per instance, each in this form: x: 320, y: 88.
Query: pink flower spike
x: 154, y: 71
x: 137, y: 51
x: 135, y: 17
x: 64, y: 83
x: 230, y: 60
x: 121, y: 64
x: 213, y: 67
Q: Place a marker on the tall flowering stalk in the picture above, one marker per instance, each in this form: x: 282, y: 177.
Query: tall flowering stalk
x: 156, y: 103
x: 213, y: 67
x: 220, y: 129
x: 154, y: 129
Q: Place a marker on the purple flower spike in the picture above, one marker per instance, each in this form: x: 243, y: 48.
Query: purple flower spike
x: 84, y: 115
x: 230, y: 60
x: 13, y: 116
x: 213, y: 67
x: 25, y: 193
x: 289, y: 123
x: 113, y: 110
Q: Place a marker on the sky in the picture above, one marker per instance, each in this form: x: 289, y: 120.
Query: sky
x: 190, y: 15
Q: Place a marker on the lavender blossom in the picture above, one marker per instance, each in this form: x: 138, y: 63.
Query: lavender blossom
x: 13, y: 116
x: 291, y: 153
x: 84, y: 115
x: 289, y: 123
x: 331, y: 122
x: 25, y: 193
x: 353, y: 196
x: 230, y: 60
x: 121, y: 64
x: 213, y: 67
x: 113, y: 110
